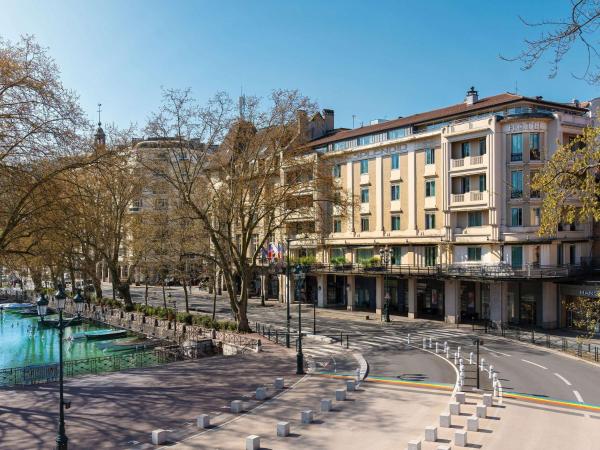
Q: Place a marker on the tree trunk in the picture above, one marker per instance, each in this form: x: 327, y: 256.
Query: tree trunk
x: 164, y: 295
x: 214, y: 292
x: 123, y: 288
x: 242, y: 304
x: 72, y: 276
x: 146, y: 292
x: 263, y: 294
x: 185, y: 294
x: 97, y: 287
x: 36, y: 277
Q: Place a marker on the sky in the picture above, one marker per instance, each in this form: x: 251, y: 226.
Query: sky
x: 368, y: 59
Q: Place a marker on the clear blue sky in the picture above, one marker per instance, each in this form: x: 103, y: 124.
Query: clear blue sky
x: 371, y: 59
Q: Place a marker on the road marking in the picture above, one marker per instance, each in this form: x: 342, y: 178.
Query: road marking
x: 495, y: 351
x: 535, y: 364
x: 567, y: 382
x: 578, y: 396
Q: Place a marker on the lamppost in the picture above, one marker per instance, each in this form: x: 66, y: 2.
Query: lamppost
x: 287, y: 277
x: 300, y: 278
x: 42, y: 307
x: 385, y: 254
x: 174, y: 302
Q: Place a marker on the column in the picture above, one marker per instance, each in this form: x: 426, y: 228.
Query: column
x: 412, y: 194
x: 451, y: 301
x: 379, y: 295
x: 412, y: 298
x: 379, y: 193
x: 350, y: 293
x: 321, y: 290
x: 549, y: 306
x: 496, y: 303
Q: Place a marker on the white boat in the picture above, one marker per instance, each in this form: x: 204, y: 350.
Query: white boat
x: 12, y: 306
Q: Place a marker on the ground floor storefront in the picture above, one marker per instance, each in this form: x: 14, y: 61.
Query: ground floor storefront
x: 527, y: 303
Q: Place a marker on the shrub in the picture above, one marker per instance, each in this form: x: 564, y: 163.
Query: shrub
x: 307, y: 260
x: 338, y: 261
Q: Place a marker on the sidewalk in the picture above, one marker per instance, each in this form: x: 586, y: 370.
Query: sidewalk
x: 377, y: 416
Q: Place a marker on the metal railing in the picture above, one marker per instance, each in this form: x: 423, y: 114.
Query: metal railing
x: 576, y: 347
x: 488, y: 271
x: 48, y: 373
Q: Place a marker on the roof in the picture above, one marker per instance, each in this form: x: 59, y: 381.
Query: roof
x: 436, y: 114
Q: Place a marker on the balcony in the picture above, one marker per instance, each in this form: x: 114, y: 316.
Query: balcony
x: 469, y: 162
x: 365, y: 208
x: 469, y: 198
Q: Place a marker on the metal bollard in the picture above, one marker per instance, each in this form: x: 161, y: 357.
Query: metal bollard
x: 455, y: 358
x: 482, y: 365
x: 447, y: 353
x: 458, y: 352
x: 277, y: 336
x: 430, y: 343
x: 424, y: 343
x: 491, y: 370
x: 408, y: 339
x: 436, y: 347
x: 342, y: 339
x: 347, y: 341
x: 471, y: 358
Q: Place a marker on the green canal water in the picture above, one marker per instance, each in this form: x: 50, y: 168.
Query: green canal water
x: 24, y: 343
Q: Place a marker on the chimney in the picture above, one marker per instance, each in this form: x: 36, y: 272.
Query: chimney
x: 328, y: 115
x: 472, y: 96
x: 576, y: 103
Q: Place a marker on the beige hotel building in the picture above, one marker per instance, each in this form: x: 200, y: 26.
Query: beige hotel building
x: 445, y: 222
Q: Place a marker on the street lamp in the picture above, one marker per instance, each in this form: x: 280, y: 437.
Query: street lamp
x: 42, y: 307
x: 300, y: 278
x: 385, y: 254
x: 287, y: 277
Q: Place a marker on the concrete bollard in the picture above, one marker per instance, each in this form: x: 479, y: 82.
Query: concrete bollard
x: 460, y: 397
x: 445, y: 420
x: 306, y: 416
x: 160, y: 436
x: 340, y: 395
x: 472, y: 424
x: 431, y: 434
x: 454, y: 408
x: 482, y: 411
x: 279, y: 383
x: 443, y: 447
x: 414, y: 445
x: 471, y: 358
x: 350, y: 385
x: 261, y: 393
x: 460, y: 438
x: 488, y: 400
x: 253, y: 442
x: 283, y: 429
x: 325, y: 405
x: 203, y: 421
x: 237, y: 406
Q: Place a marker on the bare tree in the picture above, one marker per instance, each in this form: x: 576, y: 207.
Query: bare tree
x: 557, y: 37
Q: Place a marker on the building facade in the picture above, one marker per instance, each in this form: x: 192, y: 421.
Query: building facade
x: 444, y: 222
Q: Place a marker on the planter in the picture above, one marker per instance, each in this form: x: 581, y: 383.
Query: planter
x: 341, y: 267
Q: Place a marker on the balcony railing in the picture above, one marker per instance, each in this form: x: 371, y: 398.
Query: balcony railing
x: 500, y: 271
x: 468, y: 161
x: 472, y: 196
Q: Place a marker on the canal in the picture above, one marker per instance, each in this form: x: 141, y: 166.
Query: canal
x: 23, y: 342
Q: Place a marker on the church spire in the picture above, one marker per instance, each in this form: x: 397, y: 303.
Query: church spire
x: 100, y: 136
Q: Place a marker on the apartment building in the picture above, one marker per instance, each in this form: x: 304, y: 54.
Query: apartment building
x: 445, y: 224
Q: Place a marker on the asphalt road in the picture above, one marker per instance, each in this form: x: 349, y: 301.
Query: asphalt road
x: 521, y: 368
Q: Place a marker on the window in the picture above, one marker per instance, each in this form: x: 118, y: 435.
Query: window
x: 534, y: 147
x: 465, y: 149
x: 337, y: 226
x: 429, y: 221
x: 430, y: 255
x: 364, y: 224
x: 533, y: 193
x: 475, y: 218
x: 482, y: 183
x: 363, y: 253
x: 429, y: 156
x: 430, y: 188
x: 161, y: 203
x: 337, y: 171
x: 516, y: 180
x: 397, y: 133
x: 396, y: 255
x: 364, y: 195
x: 516, y: 147
x: 465, y: 185
x: 365, y: 140
x: 482, y: 147
x: 572, y: 252
x: 516, y: 217
x: 395, y: 161
x: 516, y: 253
x: 537, y: 215
x: 395, y: 192
x: 474, y: 253
x: 364, y: 166
x: 395, y: 223
x: 337, y: 252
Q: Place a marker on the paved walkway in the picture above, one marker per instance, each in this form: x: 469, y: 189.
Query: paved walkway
x: 377, y: 416
x: 116, y: 410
